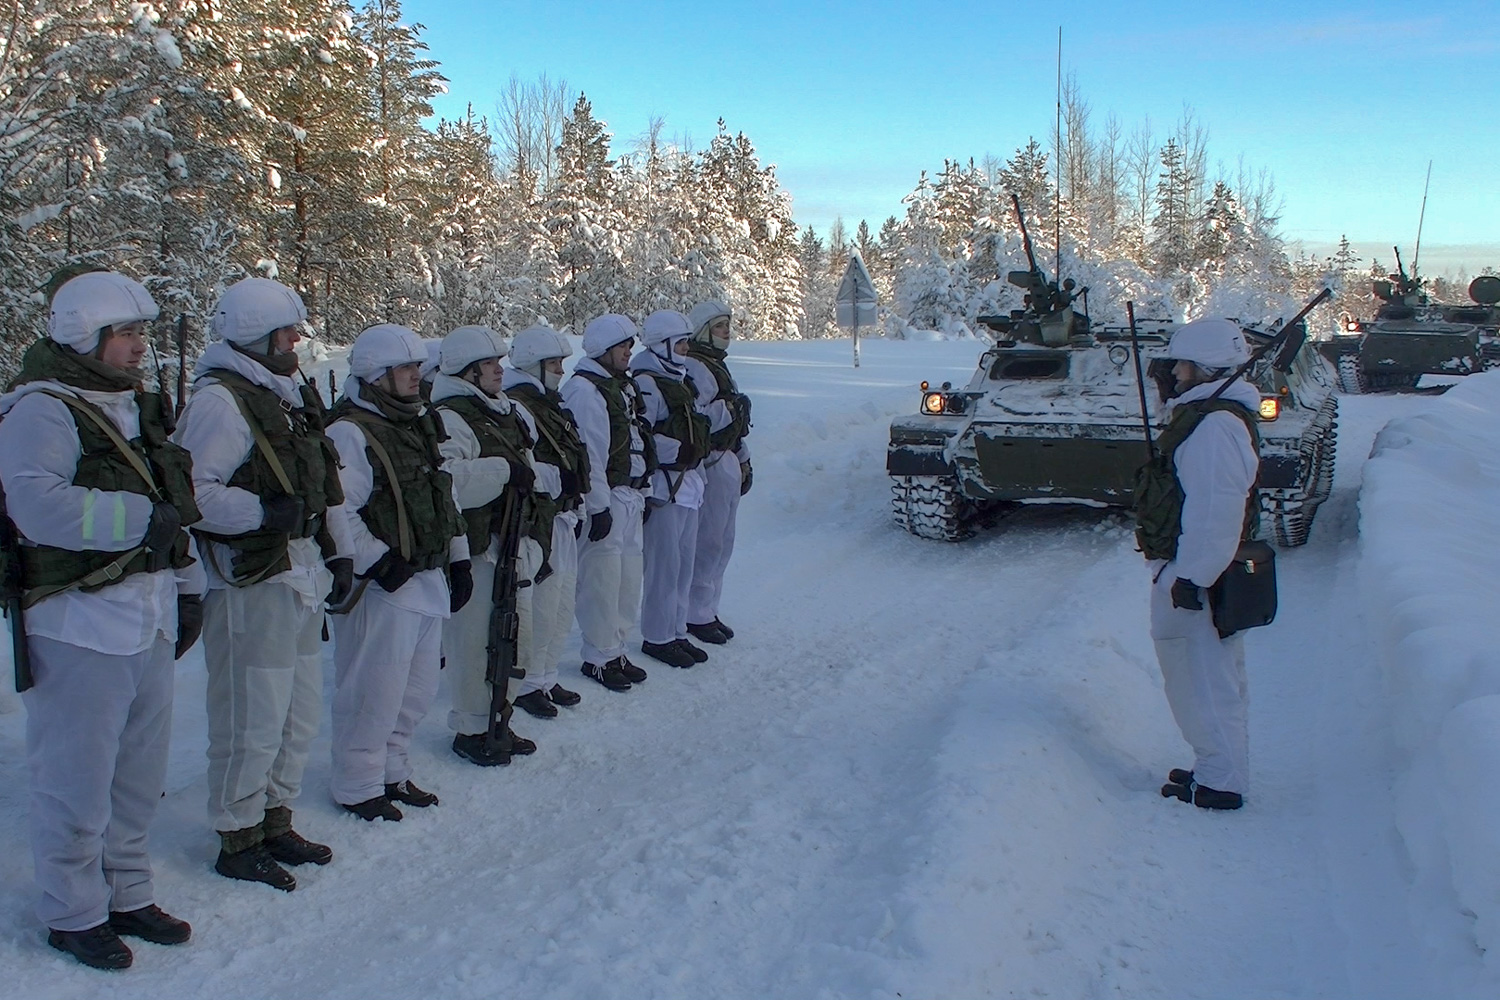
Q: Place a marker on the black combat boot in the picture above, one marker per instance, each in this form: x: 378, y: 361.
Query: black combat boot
x: 607, y: 674
x: 243, y: 856
x: 536, y: 703
x: 408, y: 793
x: 633, y: 673
x: 728, y: 632
x: 698, y: 655
x: 286, y: 845
x: 670, y: 653
x: 1180, y: 776
x: 379, y: 807
x: 98, y: 947
x: 707, y: 633
x: 520, y: 746
x: 562, y: 696
x: 472, y: 749
x: 1211, y: 798
x: 150, y: 923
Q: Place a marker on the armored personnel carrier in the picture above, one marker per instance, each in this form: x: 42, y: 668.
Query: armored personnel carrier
x: 1411, y: 337
x: 1052, y: 414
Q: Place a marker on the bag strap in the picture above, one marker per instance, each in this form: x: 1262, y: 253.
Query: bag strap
x: 262, y: 442
x: 403, y: 524
x: 108, y: 573
x: 112, y: 432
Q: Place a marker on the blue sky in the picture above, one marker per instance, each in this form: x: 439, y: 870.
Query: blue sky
x: 1344, y: 103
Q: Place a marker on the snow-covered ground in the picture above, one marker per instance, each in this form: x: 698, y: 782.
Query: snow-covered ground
x: 920, y: 770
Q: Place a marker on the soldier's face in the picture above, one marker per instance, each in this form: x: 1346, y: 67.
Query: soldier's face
x: 124, y: 346
x: 487, y: 375
x: 552, y: 373
x: 617, y: 358
x: 285, y: 339
x: 1188, y: 375
x: 680, y: 347
x: 718, y: 332
x: 406, y: 380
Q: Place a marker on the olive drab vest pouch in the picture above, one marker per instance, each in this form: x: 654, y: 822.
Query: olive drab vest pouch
x: 291, y: 455
x: 623, y: 404
x: 150, y: 465
x: 500, y: 435
x: 411, y: 505
x: 557, y: 442
x: 726, y: 438
x: 683, y: 423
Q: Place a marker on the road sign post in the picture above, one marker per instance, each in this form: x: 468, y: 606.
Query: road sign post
x: 857, y: 303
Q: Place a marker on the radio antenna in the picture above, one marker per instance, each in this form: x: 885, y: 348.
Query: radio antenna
x: 1422, y: 217
x: 1057, y: 171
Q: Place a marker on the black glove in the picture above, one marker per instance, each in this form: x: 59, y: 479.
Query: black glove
x: 646, y: 511
x: 747, y: 478
x: 342, y: 569
x: 283, y: 513
x: 744, y: 407
x: 688, y: 455
x: 189, y: 622
x: 161, y: 531
x: 460, y: 584
x: 599, y: 525
x: 578, y: 528
x: 570, y: 484
x: 1185, y: 595
x: 522, y: 478
x: 391, y: 572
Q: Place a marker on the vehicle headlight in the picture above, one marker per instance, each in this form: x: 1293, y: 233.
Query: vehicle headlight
x: 1119, y: 354
x: 1270, y: 408
x: 932, y: 402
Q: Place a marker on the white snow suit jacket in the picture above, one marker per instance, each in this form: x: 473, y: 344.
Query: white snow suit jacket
x: 719, y: 415
x: 215, y: 431
x: 545, y: 471
x: 582, y: 400
x: 477, y: 480
x: 425, y: 593
x: 1216, y: 466
x: 646, y: 367
x: 39, y: 453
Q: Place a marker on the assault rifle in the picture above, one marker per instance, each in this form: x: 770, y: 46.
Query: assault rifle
x: 181, y: 365
x: 501, y: 652
x: 10, y: 592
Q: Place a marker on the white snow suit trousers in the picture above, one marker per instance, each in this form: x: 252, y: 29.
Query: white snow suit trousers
x: 609, y: 580
x: 552, y: 611
x: 385, y: 661
x: 671, y: 537
x: 466, y: 638
x: 1204, y: 677
x: 97, y: 728
x: 721, y: 505
x: 264, y: 653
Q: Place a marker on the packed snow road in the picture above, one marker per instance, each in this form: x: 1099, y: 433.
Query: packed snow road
x: 920, y: 770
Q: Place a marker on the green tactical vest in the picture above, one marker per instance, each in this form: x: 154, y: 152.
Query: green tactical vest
x: 104, y: 465
x: 617, y: 464
x: 411, y: 506
x: 726, y: 438
x: 683, y: 423
x: 306, y: 466
x: 559, y: 442
x: 501, y: 435
x: 1158, y: 492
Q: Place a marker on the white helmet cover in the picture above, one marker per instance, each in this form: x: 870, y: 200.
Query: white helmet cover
x: 88, y: 303
x: 383, y: 347
x: 468, y: 344
x: 605, y: 332
x: 1209, y: 343
x: 663, y: 327
x: 536, y: 344
x: 250, y: 309
x: 705, y: 313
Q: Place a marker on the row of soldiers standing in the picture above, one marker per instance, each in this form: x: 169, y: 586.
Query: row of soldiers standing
x: 617, y: 490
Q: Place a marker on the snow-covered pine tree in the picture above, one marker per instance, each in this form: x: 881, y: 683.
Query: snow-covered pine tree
x: 585, y: 224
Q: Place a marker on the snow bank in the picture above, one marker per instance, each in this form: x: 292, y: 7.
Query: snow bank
x: 1431, y: 582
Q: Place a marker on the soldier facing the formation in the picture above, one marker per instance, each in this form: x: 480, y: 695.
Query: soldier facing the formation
x: 99, y: 496
x: 266, y: 480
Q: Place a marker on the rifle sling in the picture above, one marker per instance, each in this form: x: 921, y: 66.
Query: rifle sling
x: 403, y: 525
